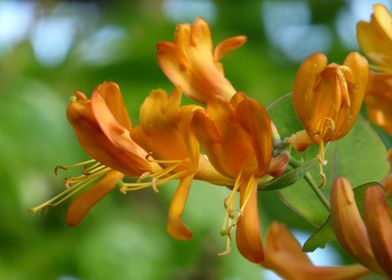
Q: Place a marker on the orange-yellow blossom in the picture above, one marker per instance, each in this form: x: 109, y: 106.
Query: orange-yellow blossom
x: 192, y: 63
x: 375, y: 38
x: 237, y: 138
x: 284, y: 256
x: 368, y: 240
x: 164, y: 132
x: 379, y: 101
x: 328, y: 98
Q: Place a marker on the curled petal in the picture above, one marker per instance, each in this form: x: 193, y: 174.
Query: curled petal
x: 357, y: 77
x: 278, y: 164
x: 379, y: 227
x: 248, y: 234
x: 305, y: 81
x: 119, y: 135
x: 175, y: 226
x: 79, y: 208
x: 348, y: 225
x: 95, y: 142
x: 284, y: 255
x: 255, y: 120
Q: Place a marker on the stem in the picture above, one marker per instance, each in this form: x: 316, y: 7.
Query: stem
x: 308, y: 178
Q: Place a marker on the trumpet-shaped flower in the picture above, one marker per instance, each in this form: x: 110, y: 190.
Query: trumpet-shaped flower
x: 284, y: 255
x: 369, y: 241
x: 328, y: 97
x: 379, y: 101
x: 237, y: 139
x: 165, y: 133
x: 102, y: 127
x: 375, y: 38
x: 192, y: 63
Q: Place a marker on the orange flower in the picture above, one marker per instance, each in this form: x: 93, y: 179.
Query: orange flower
x: 237, y: 139
x: 191, y: 62
x: 164, y: 132
x: 102, y: 127
x: 369, y: 241
x: 284, y: 255
x: 375, y: 38
x: 379, y: 101
x: 327, y: 98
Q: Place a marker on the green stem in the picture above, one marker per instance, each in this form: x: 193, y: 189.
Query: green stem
x: 308, y: 178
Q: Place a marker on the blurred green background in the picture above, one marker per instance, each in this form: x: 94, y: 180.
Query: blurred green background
x: 48, y: 49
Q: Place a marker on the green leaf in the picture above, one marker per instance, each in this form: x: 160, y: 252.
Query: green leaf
x: 359, y: 156
x: 320, y: 238
x: 290, y: 177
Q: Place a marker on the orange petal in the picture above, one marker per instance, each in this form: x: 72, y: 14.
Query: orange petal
x: 228, y: 45
x: 300, y: 140
x: 79, y: 207
x: 119, y: 135
x: 95, y: 142
x: 190, y: 63
x: 248, y: 234
x: 357, y: 78
x: 255, y: 120
x: 375, y: 38
x: 284, y: 255
x: 307, y: 77
x: 175, y: 226
x: 113, y: 99
x: 379, y: 227
x: 348, y: 225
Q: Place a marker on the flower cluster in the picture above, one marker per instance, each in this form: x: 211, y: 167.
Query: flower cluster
x: 229, y: 139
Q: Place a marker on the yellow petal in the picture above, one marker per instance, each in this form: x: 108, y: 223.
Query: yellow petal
x: 375, y: 38
x: 248, y: 234
x: 284, y: 256
x: 79, y: 207
x: 348, y: 225
x: 379, y: 227
x: 175, y: 226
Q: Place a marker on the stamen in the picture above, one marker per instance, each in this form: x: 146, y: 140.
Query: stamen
x: 74, y: 184
x: 67, y: 167
x: 322, y: 162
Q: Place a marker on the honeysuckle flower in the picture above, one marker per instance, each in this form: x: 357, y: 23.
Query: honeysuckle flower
x: 369, y: 241
x: 328, y: 97
x: 164, y: 132
x: 284, y: 256
x: 192, y: 63
x: 379, y: 101
x: 375, y: 38
x: 102, y: 127
x: 237, y: 138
